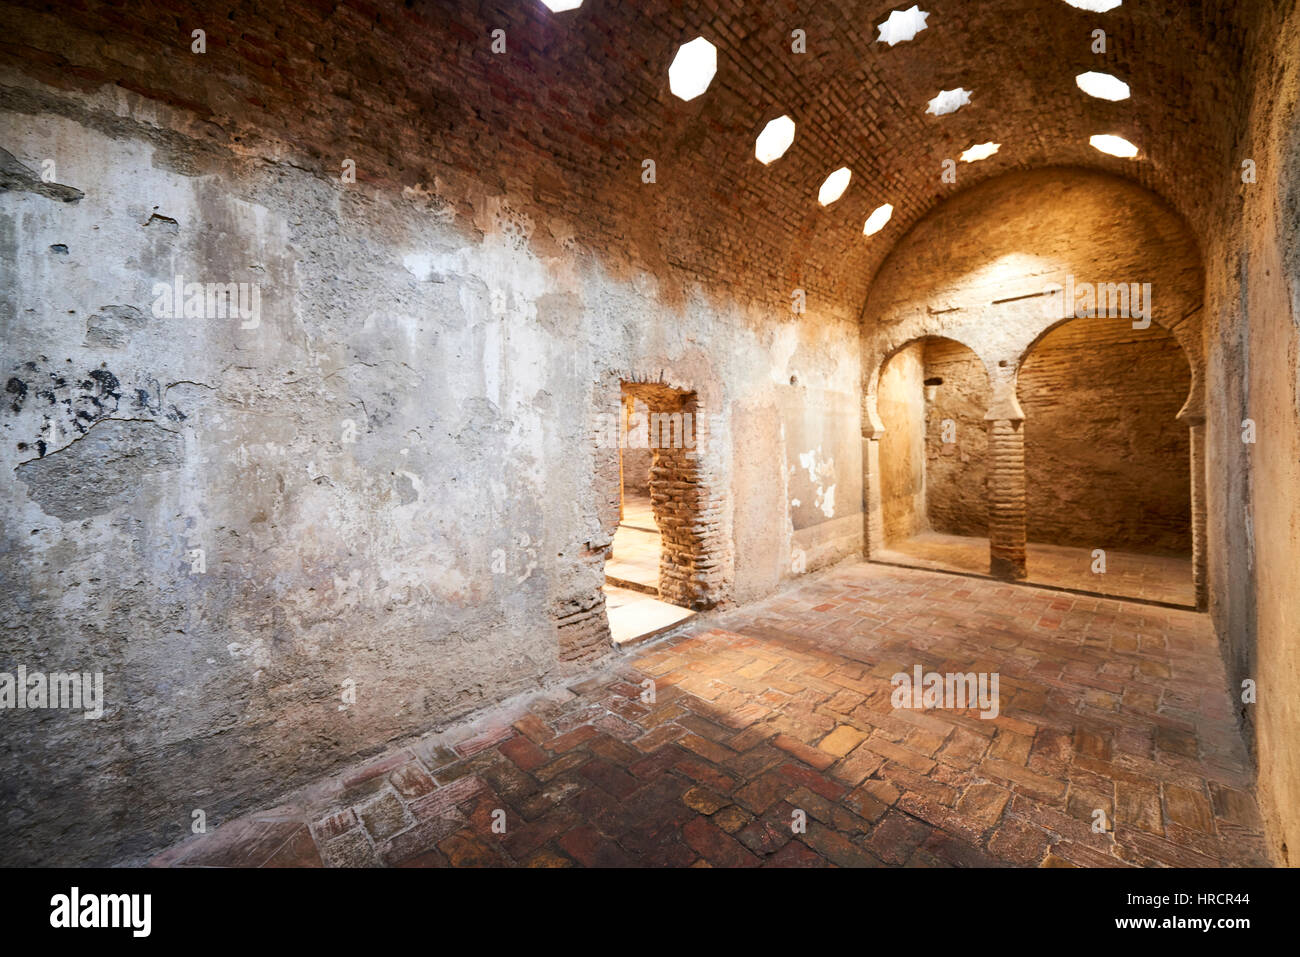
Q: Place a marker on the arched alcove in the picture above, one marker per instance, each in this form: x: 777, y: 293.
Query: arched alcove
x: 1107, y: 461
x: 931, y: 396
x: 997, y: 267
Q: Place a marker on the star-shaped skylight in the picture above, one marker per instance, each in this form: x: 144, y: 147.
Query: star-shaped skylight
x: 692, y: 69
x: 876, y: 221
x: 834, y: 186
x: 1103, y: 86
x: 948, y: 101
x: 774, y: 140
x: 980, y: 151
x: 1114, y: 145
x: 902, y: 25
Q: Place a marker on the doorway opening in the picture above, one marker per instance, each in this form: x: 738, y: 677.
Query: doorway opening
x: 932, y: 397
x: 638, y: 543
x: 655, y: 569
x: 1107, y: 463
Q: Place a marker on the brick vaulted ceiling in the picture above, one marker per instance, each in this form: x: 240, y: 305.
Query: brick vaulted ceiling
x: 563, y: 119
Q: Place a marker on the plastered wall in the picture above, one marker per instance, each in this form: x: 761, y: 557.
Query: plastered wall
x: 385, y: 481
x: 1253, y: 337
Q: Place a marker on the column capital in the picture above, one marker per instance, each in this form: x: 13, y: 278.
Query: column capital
x: 872, y: 427
x: 1193, y: 410
x: 1003, y: 404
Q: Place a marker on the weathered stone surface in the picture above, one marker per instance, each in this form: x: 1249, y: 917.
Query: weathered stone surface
x: 390, y: 470
x: 102, y: 470
x: 376, y: 505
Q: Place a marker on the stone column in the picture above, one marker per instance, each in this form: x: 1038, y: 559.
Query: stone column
x: 693, y: 558
x: 1195, y: 422
x: 1192, y: 415
x: 1006, y: 483
x: 1199, y: 522
x: 873, y: 522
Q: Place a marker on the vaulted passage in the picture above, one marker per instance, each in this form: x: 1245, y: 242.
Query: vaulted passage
x: 1061, y: 408
x: 662, y: 546
x: 566, y: 432
x: 1104, y: 462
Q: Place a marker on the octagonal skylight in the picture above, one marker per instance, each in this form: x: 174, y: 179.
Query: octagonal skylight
x: 902, y: 25
x: 774, y: 140
x: 1094, y: 6
x: 948, y: 101
x: 1102, y: 85
x: 1114, y: 145
x: 692, y: 69
x: 877, y: 220
x: 834, y: 186
x: 559, y: 6
x: 980, y: 151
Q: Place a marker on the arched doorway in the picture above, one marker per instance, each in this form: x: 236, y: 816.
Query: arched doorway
x: 1107, y: 462
x: 931, y: 397
x: 993, y: 268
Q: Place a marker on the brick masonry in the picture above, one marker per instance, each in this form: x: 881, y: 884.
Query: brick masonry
x: 935, y: 447
x: 571, y: 126
x: 1007, y: 498
x: 1091, y: 476
x: 486, y: 166
x: 956, y: 470
x: 1108, y: 463
x: 1110, y: 712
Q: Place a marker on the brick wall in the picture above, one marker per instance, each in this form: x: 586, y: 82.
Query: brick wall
x: 1107, y: 462
x: 520, y: 174
x: 955, y: 471
x: 929, y: 484
x: 564, y: 118
x: 1253, y: 339
x: 685, y: 497
x: 981, y: 272
x: 393, y: 475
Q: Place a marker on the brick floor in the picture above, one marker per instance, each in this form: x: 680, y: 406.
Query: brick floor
x: 1157, y: 578
x: 781, y: 712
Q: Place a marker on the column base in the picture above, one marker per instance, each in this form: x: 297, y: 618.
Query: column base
x: 1008, y: 568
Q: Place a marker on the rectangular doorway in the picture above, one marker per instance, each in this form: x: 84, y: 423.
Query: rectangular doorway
x: 637, y: 606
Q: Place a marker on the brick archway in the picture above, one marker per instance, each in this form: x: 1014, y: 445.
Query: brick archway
x: 914, y: 450
x: 1183, y: 340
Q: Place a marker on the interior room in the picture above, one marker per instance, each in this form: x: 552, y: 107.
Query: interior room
x: 524, y: 433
